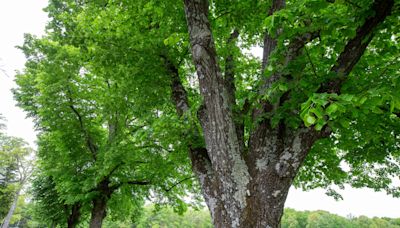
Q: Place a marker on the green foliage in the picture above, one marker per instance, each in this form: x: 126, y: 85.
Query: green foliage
x: 47, y: 206
x: 364, y: 116
x: 96, y: 123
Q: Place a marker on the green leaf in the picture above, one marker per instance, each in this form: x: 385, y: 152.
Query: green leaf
x: 309, y: 120
x: 283, y: 87
x: 347, y: 97
x: 318, y: 111
x: 320, y: 124
x: 392, y: 106
x: 332, y: 108
x: 344, y: 122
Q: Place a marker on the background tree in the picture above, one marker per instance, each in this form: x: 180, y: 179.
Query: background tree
x: 6, y: 175
x: 98, y: 143
x: 16, y: 167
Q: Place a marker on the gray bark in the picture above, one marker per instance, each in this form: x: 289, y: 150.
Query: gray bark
x: 217, y: 119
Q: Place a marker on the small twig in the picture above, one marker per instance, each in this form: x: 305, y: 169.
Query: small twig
x: 178, y: 183
x: 183, y: 57
x: 311, y: 62
x: 353, y: 4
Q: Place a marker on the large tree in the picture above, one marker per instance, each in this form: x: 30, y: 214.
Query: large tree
x: 321, y: 104
x: 315, y: 65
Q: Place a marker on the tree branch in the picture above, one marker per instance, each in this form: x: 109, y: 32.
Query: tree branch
x: 178, y: 183
x: 142, y: 182
x: 356, y: 46
x: 180, y: 99
x: 311, y: 62
x: 179, y: 95
x: 114, y: 169
x: 133, y: 182
x: 217, y: 111
x: 293, y: 51
x: 230, y: 68
x: 270, y: 42
x: 89, y: 141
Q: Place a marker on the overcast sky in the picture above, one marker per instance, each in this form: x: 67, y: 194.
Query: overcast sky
x: 26, y: 16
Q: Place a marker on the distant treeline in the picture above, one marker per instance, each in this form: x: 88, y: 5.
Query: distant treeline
x: 324, y: 219
x: 167, y: 218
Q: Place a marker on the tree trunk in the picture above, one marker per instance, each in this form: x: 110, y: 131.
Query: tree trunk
x: 10, y: 213
x: 241, y: 189
x: 99, y: 212
x: 270, y: 179
x: 73, y: 218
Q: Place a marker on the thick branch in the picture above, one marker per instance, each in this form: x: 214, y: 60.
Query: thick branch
x: 143, y: 182
x: 270, y: 42
x: 356, y: 46
x: 179, y: 95
x: 180, y: 99
x: 212, y: 86
x: 113, y: 170
x: 230, y: 68
x: 294, y: 49
x: 216, y: 118
x: 231, y: 88
x: 198, y: 155
x: 201, y: 163
x: 133, y: 182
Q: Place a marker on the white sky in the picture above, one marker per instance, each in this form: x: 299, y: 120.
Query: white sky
x: 26, y: 16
